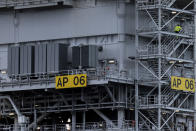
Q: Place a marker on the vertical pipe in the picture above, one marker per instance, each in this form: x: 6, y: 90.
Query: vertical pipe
x: 35, y: 119
x: 159, y: 66
x: 194, y: 63
x: 121, y: 111
x: 136, y: 68
x: 16, y: 124
x: 121, y: 118
x: 121, y: 15
x: 16, y: 24
x: 73, y: 121
x: 84, y: 120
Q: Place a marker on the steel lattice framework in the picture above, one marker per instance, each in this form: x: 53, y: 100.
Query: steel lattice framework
x: 159, y: 56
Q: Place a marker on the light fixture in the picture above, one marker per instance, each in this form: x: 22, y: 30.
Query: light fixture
x: 131, y: 109
x: 171, y: 62
x: 174, y: 12
x: 177, y: 110
x: 69, y: 120
x: 11, y: 114
x: 111, y: 61
x: 38, y: 128
x: 36, y: 105
x: 180, y: 61
x: 3, y: 72
x: 68, y: 127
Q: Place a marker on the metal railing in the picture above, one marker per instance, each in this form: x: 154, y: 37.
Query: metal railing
x: 92, y: 74
x: 148, y: 100
x: 13, y: 3
x: 148, y: 50
x: 168, y: 44
x: 153, y: 99
x: 127, y: 125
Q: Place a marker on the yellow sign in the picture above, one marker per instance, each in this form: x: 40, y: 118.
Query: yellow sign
x: 180, y: 83
x: 71, y: 81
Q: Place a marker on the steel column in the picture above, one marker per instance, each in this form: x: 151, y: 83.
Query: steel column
x: 121, y: 13
x: 121, y: 117
x: 136, y: 68
x: 159, y: 65
x: 73, y: 121
x: 194, y: 53
x: 84, y: 120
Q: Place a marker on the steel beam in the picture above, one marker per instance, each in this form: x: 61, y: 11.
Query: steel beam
x: 104, y: 117
x: 159, y: 65
x: 110, y: 93
x: 136, y: 67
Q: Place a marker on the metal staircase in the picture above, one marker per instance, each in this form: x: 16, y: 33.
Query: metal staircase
x: 168, y: 96
x: 152, y: 3
x: 171, y: 43
x: 161, y: 54
x: 153, y: 118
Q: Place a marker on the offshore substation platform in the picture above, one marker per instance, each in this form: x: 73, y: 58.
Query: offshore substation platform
x: 97, y: 65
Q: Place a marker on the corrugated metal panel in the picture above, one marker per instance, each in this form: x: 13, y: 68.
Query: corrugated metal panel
x: 16, y: 59
x: 89, y: 56
x: 9, y: 61
x: 63, y: 59
x: 75, y: 56
x: 21, y: 60
x: 30, y: 59
x: 40, y: 59
x: 26, y: 59
x: 44, y: 58
x: 13, y: 61
x: 93, y: 53
x: 85, y: 56
x: 57, y: 57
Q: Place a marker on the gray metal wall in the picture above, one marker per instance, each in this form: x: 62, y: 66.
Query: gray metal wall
x: 85, y: 56
x: 57, y: 57
x: 26, y: 59
x: 89, y: 23
x: 44, y: 24
x: 14, y: 60
x: 41, y: 58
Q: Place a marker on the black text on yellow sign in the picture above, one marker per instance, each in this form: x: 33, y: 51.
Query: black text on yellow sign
x: 71, y: 81
x: 184, y: 84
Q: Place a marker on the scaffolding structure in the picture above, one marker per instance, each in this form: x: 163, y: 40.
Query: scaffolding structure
x: 159, y: 57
